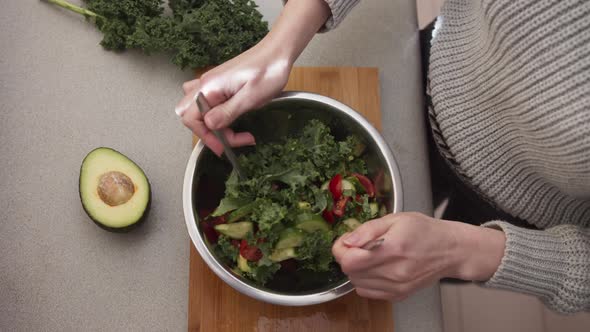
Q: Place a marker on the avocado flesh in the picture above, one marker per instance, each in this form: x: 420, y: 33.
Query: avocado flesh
x: 114, y: 191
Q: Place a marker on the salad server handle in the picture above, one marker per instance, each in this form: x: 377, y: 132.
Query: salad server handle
x: 204, y: 107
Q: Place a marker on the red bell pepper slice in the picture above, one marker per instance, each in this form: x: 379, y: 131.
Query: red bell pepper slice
x: 366, y: 183
x: 208, y: 227
x: 218, y: 220
x: 335, y: 187
x: 204, y: 213
x: 210, y: 232
x: 340, y: 206
x: 251, y: 253
x: 328, y: 216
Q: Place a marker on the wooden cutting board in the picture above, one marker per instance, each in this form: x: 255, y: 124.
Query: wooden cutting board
x: 214, y: 306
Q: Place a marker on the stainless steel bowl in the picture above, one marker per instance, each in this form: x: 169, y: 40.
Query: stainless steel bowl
x: 205, y: 175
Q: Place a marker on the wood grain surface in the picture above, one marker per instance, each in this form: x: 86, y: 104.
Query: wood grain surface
x: 214, y: 306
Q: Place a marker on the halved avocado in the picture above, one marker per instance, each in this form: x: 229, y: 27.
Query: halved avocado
x: 114, y: 191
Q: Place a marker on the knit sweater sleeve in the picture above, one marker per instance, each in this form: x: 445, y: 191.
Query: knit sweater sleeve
x: 339, y: 9
x: 553, y: 264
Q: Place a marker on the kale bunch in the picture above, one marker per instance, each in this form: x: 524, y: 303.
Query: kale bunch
x: 198, y: 33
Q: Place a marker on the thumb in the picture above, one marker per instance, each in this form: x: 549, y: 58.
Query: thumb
x: 367, y: 232
x: 222, y: 115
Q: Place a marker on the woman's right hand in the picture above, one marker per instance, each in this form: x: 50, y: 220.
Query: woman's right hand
x: 253, y: 78
x: 246, y: 82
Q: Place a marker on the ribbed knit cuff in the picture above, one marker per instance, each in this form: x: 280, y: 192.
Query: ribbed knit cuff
x: 339, y: 9
x: 552, y: 264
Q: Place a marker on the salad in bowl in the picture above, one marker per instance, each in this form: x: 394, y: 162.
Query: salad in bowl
x: 277, y: 226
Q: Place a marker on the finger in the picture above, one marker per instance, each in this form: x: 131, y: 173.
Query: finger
x: 222, y: 115
x: 192, y: 120
x: 398, y: 289
x: 368, y: 231
x: 351, y: 260
x: 214, y: 93
x: 339, y: 249
x: 187, y: 104
x: 213, y: 143
x: 208, y: 138
x: 188, y: 86
x: 238, y: 139
x: 373, y: 294
x: 374, y: 283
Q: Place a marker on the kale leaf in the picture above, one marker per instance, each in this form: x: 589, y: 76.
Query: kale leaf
x: 316, y: 251
x: 199, y: 33
x: 228, y: 204
x: 225, y: 250
x: 263, y: 271
x: 267, y: 214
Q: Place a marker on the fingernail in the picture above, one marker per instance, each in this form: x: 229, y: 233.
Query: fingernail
x: 251, y: 140
x: 351, y: 239
x: 213, y: 120
x: 180, y: 109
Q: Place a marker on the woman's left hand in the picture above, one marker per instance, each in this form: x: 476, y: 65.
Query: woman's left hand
x: 417, y: 251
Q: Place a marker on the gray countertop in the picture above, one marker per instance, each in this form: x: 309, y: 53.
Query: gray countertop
x: 62, y: 95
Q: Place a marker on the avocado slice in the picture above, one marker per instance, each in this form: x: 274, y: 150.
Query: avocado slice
x: 374, y: 209
x: 351, y: 223
x: 282, y: 254
x: 290, y: 237
x: 311, y: 222
x: 114, y: 191
x: 243, y: 264
x: 238, y: 230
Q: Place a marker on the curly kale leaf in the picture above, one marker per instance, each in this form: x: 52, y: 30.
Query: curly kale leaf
x: 180, y: 6
x: 225, y: 250
x: 227, y: 28
x: 359, y: 208
x: 200, y: 33
x: 316, y: 251
x: 115, y: 33
x: 127, y: 11
x: 267, y: 214
x: 263, y: 271
x: 153, y: 35
x: 117, y: 19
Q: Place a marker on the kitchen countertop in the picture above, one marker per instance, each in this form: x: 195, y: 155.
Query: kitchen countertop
x: 62, y: 95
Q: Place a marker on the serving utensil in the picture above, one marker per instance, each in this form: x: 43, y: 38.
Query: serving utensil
x: 204, y: 107
x: 373, y: 244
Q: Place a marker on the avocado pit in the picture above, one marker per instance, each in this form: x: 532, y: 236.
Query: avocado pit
x: 115, y: 188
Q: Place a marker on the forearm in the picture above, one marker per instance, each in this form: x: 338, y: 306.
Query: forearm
x: 299, y: 21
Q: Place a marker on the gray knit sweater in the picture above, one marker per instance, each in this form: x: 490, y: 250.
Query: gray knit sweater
x: 510, y: 89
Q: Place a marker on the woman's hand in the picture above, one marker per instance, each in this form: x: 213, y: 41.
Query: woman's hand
x: 417, y: 251
x: 253, y: 78
x: 233, y: 88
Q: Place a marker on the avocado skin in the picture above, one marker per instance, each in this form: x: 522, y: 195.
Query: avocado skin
x: 126, y: 229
